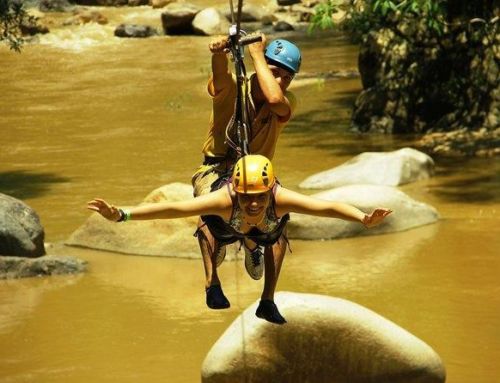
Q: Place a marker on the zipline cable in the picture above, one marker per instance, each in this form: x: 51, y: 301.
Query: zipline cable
x: 238, y: 127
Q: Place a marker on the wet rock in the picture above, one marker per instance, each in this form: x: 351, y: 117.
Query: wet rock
x: 136, y: 3
x: 311, y: 3
x: 55, y: 6
x: 369, y: 62
x: 407, y: 213
x: 169, y: 238
x: 267, y: 20
x: 17, y: 267
x: 177, y: 18
x: 392, y: 169
x: 84, y: 16
x: 92, y: 17
x: 287, y: 2
x: 325, y: 340
x: 304, y: 13
x: 283, y: 26
x: 160, y: 3
x: 31, y: 29
x: 21, y: 233
x: 135, y: 31
x: 210, y: 21
x: 368, y: 105
x: 462, y: 143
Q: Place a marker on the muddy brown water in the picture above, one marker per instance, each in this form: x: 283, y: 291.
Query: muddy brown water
x: 83, y: 114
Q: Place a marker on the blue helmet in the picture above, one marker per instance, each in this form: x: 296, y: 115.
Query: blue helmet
x: 284, y: 54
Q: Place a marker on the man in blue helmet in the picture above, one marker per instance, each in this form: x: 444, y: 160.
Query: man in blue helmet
x: 271, y: 106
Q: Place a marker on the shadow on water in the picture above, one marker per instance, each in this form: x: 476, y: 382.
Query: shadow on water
x: 468, y: 180
x: 325, y: 117
x: 23, y: 184
x: 327, y: 128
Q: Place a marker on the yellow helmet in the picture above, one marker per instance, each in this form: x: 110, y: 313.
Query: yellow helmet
x: 253, y: 174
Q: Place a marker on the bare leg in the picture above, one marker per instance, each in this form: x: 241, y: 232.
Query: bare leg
x: 207, y: 246
x: 215, y: 298
x: 273, y: 259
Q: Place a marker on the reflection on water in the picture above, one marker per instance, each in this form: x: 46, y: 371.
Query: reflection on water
x: 118, y: 118
x: 21, y: 298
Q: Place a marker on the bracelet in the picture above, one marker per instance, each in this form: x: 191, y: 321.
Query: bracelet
x: 124, y: 215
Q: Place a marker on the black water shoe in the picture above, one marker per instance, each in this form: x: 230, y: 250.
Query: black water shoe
x: 269, y: 311
x: 216, y: 299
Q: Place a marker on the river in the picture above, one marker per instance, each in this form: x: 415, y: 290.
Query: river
x: 84, y: 114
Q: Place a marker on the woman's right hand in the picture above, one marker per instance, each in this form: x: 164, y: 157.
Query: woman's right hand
x: 103, y: 208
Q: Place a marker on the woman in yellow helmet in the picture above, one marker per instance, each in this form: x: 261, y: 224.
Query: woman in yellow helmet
x: 250, y: 207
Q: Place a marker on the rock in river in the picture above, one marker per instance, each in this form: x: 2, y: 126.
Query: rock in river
x: 325, y: 340
x: 21, y: 233
x: 210, y: 22
x: 134, y: 30
x: 394, y: 168
x: 18, y: 267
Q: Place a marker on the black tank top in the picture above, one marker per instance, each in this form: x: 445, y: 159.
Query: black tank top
x: 225, y: 232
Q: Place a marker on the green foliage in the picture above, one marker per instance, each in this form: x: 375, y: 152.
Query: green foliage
x: 12, y: 17
x: 425, y: 64
x: 322, y: 18
x: 380, y: 13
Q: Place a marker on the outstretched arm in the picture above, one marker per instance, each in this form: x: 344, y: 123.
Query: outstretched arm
x: 213, y: 203
x: 290, y: 201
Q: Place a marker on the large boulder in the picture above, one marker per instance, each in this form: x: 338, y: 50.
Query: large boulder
x: 21, y: 233
x: 325, y: 340
x: 17, y: 267
x: 169, y: 238
x: 210, y: 21
x: 177, y: 18
x: 394, y: 168
x: 407, y: 213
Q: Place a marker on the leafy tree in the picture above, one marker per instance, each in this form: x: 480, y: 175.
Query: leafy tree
x: 375, y: 14
x: 12, y: 17
x: 322, y: 17
x: 426, y: 65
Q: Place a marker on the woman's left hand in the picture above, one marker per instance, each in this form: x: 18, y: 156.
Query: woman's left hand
x: 376, y: 216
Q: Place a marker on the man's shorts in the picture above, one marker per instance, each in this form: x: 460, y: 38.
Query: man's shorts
x: 203, y: 179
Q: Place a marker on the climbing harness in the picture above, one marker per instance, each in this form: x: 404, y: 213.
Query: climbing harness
x: 238, y: 128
